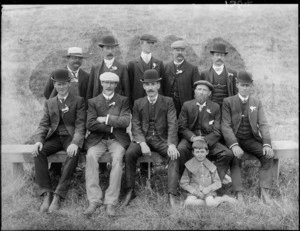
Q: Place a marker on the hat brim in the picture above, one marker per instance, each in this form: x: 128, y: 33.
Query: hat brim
x: 244, y: 82
x: 150, y: 80
x: 218, y: 52
x: 82, y: 56
x: 67, y: 80
x: 209, y: 87
x: 108, y: 45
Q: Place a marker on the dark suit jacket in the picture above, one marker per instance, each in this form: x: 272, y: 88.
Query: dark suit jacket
x: 119, y: 119
x: 94, y: 85
x: 135, y: 74
x: 165, y: 119
x: 231, y: 79
x: 185, y: 80
x: 83, y: 79
x: 74, y: 119
x: 232, y: 117
x: 210, y: 125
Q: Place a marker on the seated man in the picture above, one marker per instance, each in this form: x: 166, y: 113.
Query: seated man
x: 245, y: 128
x: 154, y: 128
x: 199, y: 119
x: 62, y: 127
x: 200, y: 178
x: 108, y: 117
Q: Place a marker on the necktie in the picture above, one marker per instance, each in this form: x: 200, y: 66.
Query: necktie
x: 201, y: 106
x: 244, y: 101
x: 62, y: 100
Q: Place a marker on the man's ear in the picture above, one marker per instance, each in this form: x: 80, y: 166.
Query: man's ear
x: 158, y: 83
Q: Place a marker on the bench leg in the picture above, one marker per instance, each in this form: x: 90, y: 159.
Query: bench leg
x: 18, y: 169
x: 276, y: 166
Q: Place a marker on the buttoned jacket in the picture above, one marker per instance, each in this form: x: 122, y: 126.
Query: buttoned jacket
x: 165, y: 120
x: 136, y: 72
x: 232, y: 118
x: 74, y: 119
x: 210, y: 123
x: 186, y: 75
x: 94, y: 86
x: 119, y: 119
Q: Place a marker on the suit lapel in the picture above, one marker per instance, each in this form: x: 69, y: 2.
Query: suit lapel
x: 139, y: 64
x: 195, y: 111
x: 237, y: 104
x: 211, y: 74
x: 158, y: 106
x: 54, y: 106
x: 227, y: 81
x: 172, y: 68
x: 146, y: 108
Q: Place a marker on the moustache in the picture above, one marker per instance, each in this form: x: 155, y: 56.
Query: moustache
x: 220, y: 60
x: 110, y: 54
x: 180, y: 55
x: 150, y: 91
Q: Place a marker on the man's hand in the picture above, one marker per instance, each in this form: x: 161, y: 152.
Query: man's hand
x: 237, y: 151
x: 145, y: 149
x: 36, y: 148
x: 198, y: 194
x: 173, y: 152
x: 206, y: 190
x: 72, y: 150
x: 268, y: 152
x: 101, y: 119
x: 195, y: 138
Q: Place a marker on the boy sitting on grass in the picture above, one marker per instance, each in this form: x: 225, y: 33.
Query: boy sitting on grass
x: 201, y: 179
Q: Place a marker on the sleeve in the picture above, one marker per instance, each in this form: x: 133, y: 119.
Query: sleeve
x: 216, y: 182
x: 215, y: 135
x: 44, y: 125
x: 123, y: 119
x: 172, y: 124
x: 79, y: 133
x: 48, y: 88
x: 183, y: 123
x: 263, y: 126
x: 137, y: 132
x: 185, y: 182
x: 92, y: 124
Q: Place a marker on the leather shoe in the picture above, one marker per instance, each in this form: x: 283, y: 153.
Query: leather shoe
x: 110, y: 209
x: 92, y: 208
x: 265, y: 196
x: 129, y: 197
x: 171, y: 199
x: 55, y: 205
x: 48, y: 196
x: 239, y: 196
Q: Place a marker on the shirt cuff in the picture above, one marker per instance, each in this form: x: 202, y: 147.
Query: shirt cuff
x: 191, y: 139
x: 106, y: 121
x: 267, y: 145
x: 233, y: 145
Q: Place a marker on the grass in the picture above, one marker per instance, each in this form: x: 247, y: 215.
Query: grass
x: 262, y: 39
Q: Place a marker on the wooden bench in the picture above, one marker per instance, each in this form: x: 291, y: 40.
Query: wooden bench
x: 19, y: 154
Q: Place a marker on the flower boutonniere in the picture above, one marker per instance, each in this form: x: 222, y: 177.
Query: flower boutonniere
x: 208, y: 110
x: 112, y: 104
x: 230, y: 74
x: 113, y: 68
x: 178, y: 72
x: 154, y: 65
x: 211, y: 122
x: 65, y: 109
x: 252, y: 108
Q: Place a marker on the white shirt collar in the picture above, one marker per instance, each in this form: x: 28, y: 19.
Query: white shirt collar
x: 155, y: 99
x: 110, y: 62
x: 201, y: 105
x: 63, y: 97
x: 108, y: 97
x: 76, y: 72
x: 177, y: 64
x: 242, y: 98
x: 218, y: 69
x: 146, y: 57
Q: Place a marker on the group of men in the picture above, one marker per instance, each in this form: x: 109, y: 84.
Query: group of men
x: 169, y: 107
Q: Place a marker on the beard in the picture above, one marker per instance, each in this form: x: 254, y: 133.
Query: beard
x: 200, y: 98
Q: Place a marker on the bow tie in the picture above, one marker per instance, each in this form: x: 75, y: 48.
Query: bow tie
x: 201, y: 106
x: 244, y: 101
x: 74, y: 78
x: 62, y: 100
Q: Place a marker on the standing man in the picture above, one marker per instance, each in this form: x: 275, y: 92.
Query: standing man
x: 62, y: 127
x: 79, y: 84
x: 107, y: 118
x: 245, y: 128
x: 137, y: 67
x: 200, y: 119
x: 108, y: 46
x: 154, y: 128
x: 222, y: 78
x: 180, y: 76
x: 79, y: 78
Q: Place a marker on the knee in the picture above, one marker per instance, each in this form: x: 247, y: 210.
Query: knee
x: 90, y: 155
x: 211, y: 202
x: 117, y: 159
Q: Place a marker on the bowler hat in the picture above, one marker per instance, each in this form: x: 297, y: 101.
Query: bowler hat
x: 150, y: 75
x: 244, y: 77
x: 109, y: 76
x: 108, y: 40
x: 179, y: 44
x: 75, y: 51
x: 204, y: 82
x: 219, y: 48
x: 61, y: 75
x: 149, y: 38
